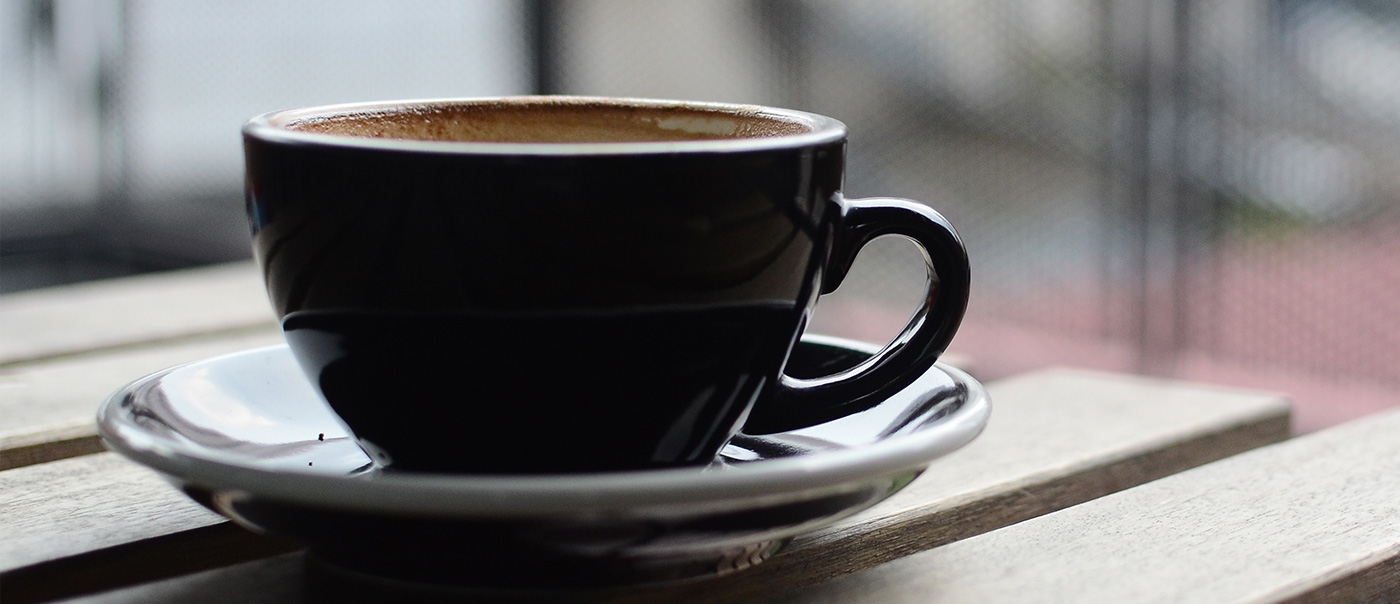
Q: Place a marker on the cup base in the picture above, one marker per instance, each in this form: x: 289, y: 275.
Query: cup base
x: 543, y: 393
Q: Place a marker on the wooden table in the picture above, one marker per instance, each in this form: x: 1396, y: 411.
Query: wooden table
x: 1085, y: 487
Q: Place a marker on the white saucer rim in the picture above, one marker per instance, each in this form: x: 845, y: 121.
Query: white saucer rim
x: 525, y: 496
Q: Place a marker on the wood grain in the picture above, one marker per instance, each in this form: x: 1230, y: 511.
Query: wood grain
x: 84, y: 317
x: 1315, y: 519
x: 48, y: 407
x: 70, y: 507
x: 1057, y: 438
x: 88, y: 523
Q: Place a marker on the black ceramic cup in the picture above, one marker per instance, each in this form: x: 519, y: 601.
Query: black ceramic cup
x: 639, y: 271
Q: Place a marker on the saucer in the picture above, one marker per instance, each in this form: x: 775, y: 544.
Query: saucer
x: 247, y: 436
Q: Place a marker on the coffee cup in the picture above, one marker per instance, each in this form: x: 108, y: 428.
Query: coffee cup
x: 530, y: 285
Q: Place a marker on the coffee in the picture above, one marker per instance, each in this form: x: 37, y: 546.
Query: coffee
x: 550, y: 120
x: 638, y: 272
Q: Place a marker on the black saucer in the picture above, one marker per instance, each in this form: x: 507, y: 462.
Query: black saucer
x: 247, y: 436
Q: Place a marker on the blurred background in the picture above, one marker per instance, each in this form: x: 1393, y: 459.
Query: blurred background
x: 1196, y: 189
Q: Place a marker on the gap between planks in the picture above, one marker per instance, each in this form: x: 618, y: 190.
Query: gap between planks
x: 1056, y: 438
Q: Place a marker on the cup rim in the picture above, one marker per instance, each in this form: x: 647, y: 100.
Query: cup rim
x: 822, y: 129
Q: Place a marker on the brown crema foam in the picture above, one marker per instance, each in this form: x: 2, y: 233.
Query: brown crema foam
x: 549, y: 122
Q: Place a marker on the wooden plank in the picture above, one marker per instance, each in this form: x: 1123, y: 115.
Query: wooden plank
x: 70, y: 507
x: 87, y: 522
x: 1315, y: 519
x: 82, y: 317
x: 48, y: 407
x: 1056, y: 438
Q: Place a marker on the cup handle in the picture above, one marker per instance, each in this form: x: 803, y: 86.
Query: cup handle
x: 800, y: 403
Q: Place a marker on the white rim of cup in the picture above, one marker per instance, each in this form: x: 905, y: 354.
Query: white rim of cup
x: 822, y: 129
